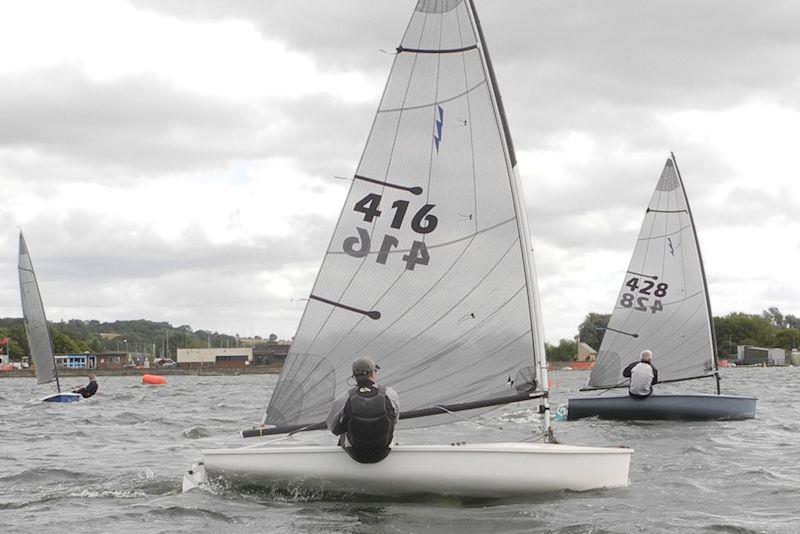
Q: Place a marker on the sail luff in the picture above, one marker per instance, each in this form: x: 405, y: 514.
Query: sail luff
x: 712, y: 333
x: 537, y: 329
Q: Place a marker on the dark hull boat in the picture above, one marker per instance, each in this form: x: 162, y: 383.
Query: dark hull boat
x: 694, y: 407
x: 663, y: 306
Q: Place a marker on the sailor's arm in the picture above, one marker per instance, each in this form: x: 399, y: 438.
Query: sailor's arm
x: 334, y: 420
x: 394, y: 398
x: 627, y: 371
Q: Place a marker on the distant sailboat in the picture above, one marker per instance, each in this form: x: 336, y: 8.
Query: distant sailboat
x: 429, y: 272
x: 38, y: 335
x: 663, y: 306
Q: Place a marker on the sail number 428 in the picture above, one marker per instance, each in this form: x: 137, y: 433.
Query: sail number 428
x: 423, y: 222
x: 648, y: 288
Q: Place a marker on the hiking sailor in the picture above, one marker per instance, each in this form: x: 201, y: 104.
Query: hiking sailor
x: 89, y: 389
x: 643, y: 375
x: 365, y: 416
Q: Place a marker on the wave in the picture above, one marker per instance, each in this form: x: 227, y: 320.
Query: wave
x: 196, y: 432
x: 42, y: 474
x: 729, y: 529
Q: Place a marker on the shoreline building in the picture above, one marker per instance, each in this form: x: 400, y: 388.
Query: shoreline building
x: 215, y: 357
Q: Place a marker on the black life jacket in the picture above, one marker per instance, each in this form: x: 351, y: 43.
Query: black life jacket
x: 370, y: 418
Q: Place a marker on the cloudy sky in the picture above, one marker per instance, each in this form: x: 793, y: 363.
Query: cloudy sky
x: 174, y: 160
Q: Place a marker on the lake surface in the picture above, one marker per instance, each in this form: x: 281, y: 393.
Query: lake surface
x: 115, y: 464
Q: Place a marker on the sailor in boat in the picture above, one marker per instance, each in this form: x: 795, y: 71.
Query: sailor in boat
x: 643, y: 375
x: 365, y: 416
x: 89, y: 389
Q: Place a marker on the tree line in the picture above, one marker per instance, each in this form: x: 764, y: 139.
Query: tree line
x: 76, y: 336
x: 770, y: 329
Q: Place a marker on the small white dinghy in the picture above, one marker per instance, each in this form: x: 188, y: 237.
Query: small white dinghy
x: 480, y: 470
x: 430, y: 273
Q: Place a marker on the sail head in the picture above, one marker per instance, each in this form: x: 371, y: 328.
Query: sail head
x: 663, y: 302
x: 425, y: 270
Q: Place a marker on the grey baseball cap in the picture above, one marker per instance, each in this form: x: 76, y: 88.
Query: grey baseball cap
x: 364, y: 366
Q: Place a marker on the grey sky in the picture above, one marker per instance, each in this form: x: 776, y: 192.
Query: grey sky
x: 174, y: 160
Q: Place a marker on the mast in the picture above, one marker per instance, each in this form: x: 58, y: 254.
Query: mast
x: 702, y: 274
x: 532, y: 290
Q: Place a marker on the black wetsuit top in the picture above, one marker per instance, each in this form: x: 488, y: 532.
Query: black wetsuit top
x: 369, y: 419
x: 88, y: 390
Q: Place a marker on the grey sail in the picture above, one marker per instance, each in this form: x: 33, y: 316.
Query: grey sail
x: 36, y: 330
x: 428, y: 270
x: 663, y: 304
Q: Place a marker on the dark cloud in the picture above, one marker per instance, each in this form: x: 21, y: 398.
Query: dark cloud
x: 140, y: 124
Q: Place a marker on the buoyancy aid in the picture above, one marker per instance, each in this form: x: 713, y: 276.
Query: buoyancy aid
x: 370, y: 418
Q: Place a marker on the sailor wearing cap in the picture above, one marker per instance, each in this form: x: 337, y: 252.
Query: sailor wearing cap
x: 365, y: 416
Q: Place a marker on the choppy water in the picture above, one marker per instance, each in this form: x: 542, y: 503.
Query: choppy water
x: 115, y: 463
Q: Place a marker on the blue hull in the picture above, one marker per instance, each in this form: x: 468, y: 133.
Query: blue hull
x: 62, y: 397
x: 664, y: 407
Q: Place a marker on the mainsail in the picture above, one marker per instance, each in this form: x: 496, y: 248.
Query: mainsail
x: 429, y: 269
x: 36, y: 331
x: 663, y: 304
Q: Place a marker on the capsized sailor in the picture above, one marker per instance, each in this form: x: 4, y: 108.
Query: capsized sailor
x: 364, y: 417
x: 643, y: 375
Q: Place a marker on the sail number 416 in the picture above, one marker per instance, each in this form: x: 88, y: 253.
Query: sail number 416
x: 642, y: 303
x: 423, y: 222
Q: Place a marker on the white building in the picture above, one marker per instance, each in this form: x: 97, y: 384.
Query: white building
x: 215, y: 357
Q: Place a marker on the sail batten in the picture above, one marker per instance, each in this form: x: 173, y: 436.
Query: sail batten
x: 663, y: 302
x: 428, y: 270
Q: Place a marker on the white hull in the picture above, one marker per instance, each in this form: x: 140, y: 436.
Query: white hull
x: 469, y: 470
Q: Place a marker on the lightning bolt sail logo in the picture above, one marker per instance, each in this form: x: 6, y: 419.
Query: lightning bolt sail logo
x: 671, y: 248
x: 437, y: 134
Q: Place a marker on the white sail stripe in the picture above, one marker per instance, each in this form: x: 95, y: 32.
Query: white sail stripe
x: 437, y: 102
x: 633, y: 341
x: 457, y: 394
x: 668, y: 234
x: 437, y: 245
x: 665, y: 323
x: 466, y: 295
x: 482, y: 322
x: 408, y: 310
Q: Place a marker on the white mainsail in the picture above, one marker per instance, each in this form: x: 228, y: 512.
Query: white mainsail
x: 429, y: 269
x: 39, y: 342
x: 663, y: 304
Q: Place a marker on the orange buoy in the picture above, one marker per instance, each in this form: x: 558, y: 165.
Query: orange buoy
x: 154, y: 380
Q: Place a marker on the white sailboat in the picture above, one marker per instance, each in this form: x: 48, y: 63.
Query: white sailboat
x: 663, y: 306
x: 36, y: 331
x: 429, y: 272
